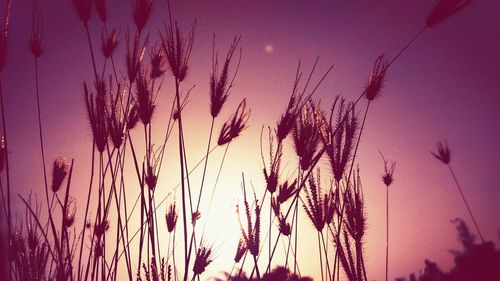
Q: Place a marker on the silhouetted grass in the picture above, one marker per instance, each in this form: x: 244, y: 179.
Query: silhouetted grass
x: 50, y: 244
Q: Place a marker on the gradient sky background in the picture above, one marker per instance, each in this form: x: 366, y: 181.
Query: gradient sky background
x: 444, y: 87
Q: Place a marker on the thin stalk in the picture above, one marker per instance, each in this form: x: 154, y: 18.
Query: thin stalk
x: 9, y: 211
x: 326, y: 255
x: 256, y: 267
x: 40, y: 123
x: 387, y: 234
x: 320, y: 259
x: 86, y: 210
x: 465, y: 202
x: 205, y: 165
x: 181, y: 160
x: 91, y: 51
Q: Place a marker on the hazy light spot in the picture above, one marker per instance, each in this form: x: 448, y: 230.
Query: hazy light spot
x: 269, y: 48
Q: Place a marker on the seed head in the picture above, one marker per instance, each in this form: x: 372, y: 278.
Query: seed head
x: 203, y: 259
x: 177, y: 114
x: 354, y: 209
x: 284, y: 226
x: 338, y: 136
x: 286, y: 191
x: 153, y: 160
x: 59, y: 172
x: 36, y: 32
x: 4, y: 35
x: 235, y: 125
x: 100, y: 6
x: 96, y: 112
x: 387, y: 178
x: 141, y: 12
x: 134, y: 56
x: 177, y: 50
x: 252, y: 232
x: 3, y: 150
x: 306, y: 135
x: 443, y: 10
x: 116, y: 118
x: 219, y: 81
x: 109, y: 42
x: 132, y: 117
x: 100, y: 228
x: 157, y: 63
x: 376, y: 80
x: 287, y: 120
x: 83, y: 9
x: 69, y: 217
x: 316, y: 203
x: 241, y: 249
x: 145, y: 97
x: 271, y: 178
x: 443, y: 153
x: 171, y: 217
x: 195, y: 216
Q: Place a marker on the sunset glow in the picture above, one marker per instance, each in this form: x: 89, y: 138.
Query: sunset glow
x: 442, y: 87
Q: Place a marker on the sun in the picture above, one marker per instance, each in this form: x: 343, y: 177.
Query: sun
x: 269, y: 48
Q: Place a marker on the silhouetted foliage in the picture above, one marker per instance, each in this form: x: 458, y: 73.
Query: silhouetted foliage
x: 475, y: 262
x: 279, y: 273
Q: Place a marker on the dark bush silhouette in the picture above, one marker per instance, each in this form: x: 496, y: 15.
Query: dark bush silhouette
x: 279, y: 273
x: 474, y: 262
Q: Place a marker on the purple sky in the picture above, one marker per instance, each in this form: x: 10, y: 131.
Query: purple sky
x: 446, y: 86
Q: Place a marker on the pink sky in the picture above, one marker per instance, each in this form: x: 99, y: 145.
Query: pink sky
x: 444, y: 87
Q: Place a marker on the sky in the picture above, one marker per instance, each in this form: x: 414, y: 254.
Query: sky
x: 444, y: 87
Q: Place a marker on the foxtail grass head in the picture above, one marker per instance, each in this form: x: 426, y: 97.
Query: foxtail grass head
x: 83, y: 9
x: 251, y: 233
x: 145, y: 97
x: 233, y: 127
x: 241, y: 249
x: 96, y: 112
x: 283, y: 226
x: 355, y: 209
x: 59, y: 172
x: 141, y: 13
x: 443, y: 153
x: 220, y: 82
x: 388, y: 177
x: 36, y: 32
x: 177, y: 50
x: 101, y: 9
x: 376, y: 80
x: 70, y: 212
x: 316, y: 203
x: 109, y: 42
x: 116, y: 118
x: 4, y: 35
x: 287, y: 119
x: 306, y: 135
x: 3, y: 151
x: 152, y: 167
x: 134, y: 56
x: 445, y: 9
x: 286, y: 191
x: 157, y: 61
x: 202, y: 259
x: 171, y: 217
x: 338, y: 134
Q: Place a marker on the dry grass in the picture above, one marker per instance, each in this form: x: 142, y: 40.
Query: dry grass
x: 48, y: 243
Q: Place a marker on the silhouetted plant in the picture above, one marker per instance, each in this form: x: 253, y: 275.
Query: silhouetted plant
x: 443, y: 154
